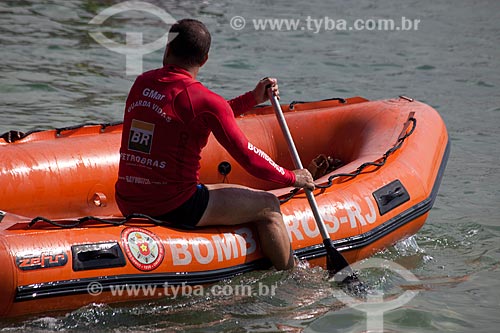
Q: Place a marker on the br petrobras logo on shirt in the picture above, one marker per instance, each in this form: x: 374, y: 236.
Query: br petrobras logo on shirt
x: 141, y: 136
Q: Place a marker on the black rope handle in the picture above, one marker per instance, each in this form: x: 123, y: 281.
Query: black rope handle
x: 13, y: 136
x: 117, y: 222
x: 75, y: 127
x: 291, y: 106
x: 402, y: 137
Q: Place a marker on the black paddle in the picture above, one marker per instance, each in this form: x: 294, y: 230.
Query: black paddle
x: 335, y: 262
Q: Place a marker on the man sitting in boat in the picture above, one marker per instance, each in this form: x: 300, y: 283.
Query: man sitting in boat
x: 169, y: 116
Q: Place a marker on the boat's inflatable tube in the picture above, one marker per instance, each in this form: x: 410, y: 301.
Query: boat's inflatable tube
x: 70, y: 173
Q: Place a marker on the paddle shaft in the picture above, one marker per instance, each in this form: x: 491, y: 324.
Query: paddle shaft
x: 297, y: 162
x: 337, y: 265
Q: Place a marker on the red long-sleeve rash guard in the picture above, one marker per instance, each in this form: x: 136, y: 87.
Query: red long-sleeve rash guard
x: 168, y: 119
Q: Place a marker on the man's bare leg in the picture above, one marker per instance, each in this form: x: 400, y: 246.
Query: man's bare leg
x: 232, y: 205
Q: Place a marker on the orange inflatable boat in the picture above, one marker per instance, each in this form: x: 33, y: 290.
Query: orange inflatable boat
x: 63, y: 243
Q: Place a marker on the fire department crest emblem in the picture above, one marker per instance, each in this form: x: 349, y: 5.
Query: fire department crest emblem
x: 143, y: 248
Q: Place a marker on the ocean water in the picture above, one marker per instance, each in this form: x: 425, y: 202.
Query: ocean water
x: 54, y: 74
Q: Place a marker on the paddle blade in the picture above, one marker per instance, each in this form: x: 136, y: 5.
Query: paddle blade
x: 335, y: 262
x: 340, y: 271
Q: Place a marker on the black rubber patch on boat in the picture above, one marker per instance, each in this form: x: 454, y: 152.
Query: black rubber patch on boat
x: 390, y: 196
x: 97, y: 255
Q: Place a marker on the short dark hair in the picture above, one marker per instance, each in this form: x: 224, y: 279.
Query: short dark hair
x: 192, y: 42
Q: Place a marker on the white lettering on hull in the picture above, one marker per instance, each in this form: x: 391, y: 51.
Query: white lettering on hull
x: 204, y: 250
x: 240, y: 243
x: 301, y: 224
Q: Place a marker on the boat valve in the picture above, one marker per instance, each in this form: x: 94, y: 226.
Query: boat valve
x: 224, y: 168
x: 99, y: 199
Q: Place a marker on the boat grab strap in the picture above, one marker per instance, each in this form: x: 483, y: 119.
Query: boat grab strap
x: 13, y: 136
x: 291, y: 106
x: 67, y: 224
x: 377, y: 163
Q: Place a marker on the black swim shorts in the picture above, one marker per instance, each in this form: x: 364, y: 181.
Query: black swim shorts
x: 190, y: 212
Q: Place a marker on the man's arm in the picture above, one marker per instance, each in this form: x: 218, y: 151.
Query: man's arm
x: 220, y: 119
x: 245, y: 102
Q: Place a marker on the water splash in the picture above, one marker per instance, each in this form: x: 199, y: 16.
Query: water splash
x: 408, y: 246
